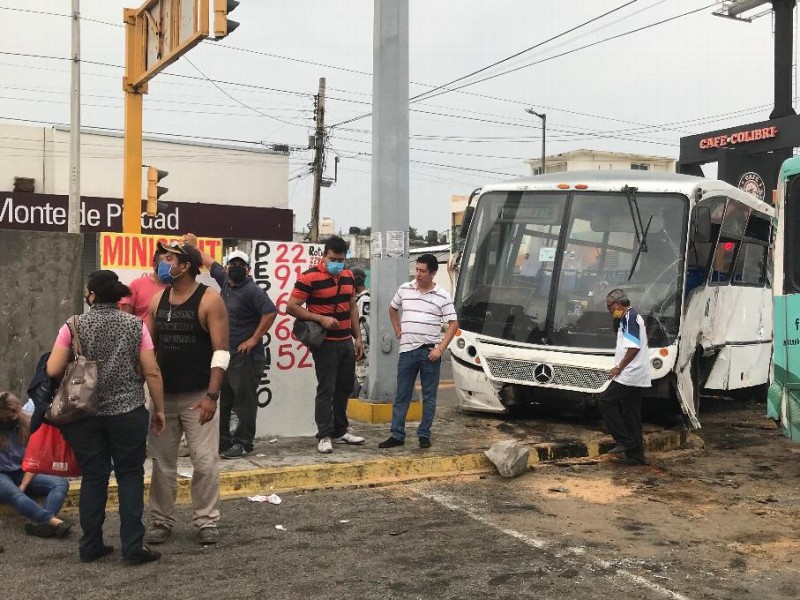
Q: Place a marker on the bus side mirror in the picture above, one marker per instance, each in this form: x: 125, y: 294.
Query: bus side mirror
x: 470, y: 210
x: 702, y: 225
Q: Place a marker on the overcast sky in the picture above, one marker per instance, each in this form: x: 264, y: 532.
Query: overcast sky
x: 639, y: 93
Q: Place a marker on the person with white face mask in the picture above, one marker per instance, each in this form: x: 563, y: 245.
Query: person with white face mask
x: 328, y: 291
x: 621, y: 403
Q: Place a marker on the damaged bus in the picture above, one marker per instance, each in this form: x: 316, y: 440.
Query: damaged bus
x: 541, y: 254
x: 783, y: 403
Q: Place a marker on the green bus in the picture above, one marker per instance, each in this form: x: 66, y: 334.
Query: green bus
x: 784, y: 393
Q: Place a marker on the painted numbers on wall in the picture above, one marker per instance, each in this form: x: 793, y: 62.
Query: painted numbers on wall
x: 276, y: 266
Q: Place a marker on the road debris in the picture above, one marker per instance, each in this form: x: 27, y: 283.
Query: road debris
x: 271, y: 499
x: 510, y: 458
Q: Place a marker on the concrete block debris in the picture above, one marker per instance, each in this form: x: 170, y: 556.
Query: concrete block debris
x: 510, y: 458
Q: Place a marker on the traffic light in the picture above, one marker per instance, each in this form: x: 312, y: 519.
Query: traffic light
x: 154, y: 191
x: 222, y: 25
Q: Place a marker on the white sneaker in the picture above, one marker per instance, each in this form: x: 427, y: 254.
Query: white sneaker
x: 349, y: 438
x: 325, y: 446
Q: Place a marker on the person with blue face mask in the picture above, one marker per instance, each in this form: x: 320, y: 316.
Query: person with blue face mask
x: 328, y: 291
x: 145, y: 287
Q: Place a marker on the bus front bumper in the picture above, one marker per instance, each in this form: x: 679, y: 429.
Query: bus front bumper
x: 475, y: 391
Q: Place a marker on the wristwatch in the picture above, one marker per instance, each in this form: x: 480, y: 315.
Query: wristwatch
x: 213, y: 395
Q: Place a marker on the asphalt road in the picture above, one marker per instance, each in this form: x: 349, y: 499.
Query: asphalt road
x: 718, y: 523
x: 578, y: 530
x: 412, y: 542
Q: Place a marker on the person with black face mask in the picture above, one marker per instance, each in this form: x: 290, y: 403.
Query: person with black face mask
x: 251, y: 313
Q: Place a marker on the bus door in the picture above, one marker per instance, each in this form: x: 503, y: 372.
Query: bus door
x: 785, y: 390
x: 700, y: 304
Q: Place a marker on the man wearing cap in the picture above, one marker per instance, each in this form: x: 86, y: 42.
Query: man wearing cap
x: 189, y: 326
x: 250, y: 315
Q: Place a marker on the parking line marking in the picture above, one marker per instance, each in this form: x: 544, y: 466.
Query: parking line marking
x: 540, y: 544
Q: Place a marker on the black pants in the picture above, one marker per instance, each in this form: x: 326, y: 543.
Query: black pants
x: 335, y: 364
x: 100, y: 444
x: 240, y: 393
x: 621, y: 408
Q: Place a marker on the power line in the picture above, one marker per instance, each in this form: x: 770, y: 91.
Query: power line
x: 584, y: 47
x: 521, y: 52
x: 428, y: 95
x: 281, y: 57
x: 54, y: 14
x: 263, y: 114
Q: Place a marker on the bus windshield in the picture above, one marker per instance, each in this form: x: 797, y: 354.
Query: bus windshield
x: 538, y: 265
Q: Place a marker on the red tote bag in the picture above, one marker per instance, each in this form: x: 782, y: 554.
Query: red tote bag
x: 48, y: 453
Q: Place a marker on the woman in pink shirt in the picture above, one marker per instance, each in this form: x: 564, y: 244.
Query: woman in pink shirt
x: 114, y: 439
x: 143, y: 290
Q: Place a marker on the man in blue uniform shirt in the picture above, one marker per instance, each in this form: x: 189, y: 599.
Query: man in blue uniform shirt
x: 250, y: 315
x: 621, y: 403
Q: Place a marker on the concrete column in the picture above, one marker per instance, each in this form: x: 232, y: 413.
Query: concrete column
x: 390, y: 94
x: 783, y: 58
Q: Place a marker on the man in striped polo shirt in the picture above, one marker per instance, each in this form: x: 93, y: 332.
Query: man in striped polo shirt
x: 424, y: 306
x: 328, y: 291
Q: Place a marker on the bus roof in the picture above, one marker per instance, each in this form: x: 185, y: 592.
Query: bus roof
x: 643, y: 181
x: 790, y: 168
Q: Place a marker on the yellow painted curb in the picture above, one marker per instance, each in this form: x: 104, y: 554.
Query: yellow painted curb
x: 383, y: 471
x: 379, y: 412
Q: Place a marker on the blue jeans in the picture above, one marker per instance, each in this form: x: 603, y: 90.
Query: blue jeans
x: 101, y: 444
x: 54, y: 490
x: 409, y: 364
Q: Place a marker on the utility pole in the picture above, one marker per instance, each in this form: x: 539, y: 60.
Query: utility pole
x: 390, y: 183
x: 74, y: 208
x: 543, y: 117
x: 319, y: 162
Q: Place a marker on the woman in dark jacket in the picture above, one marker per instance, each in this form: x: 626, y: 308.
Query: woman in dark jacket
x: 116, y: 437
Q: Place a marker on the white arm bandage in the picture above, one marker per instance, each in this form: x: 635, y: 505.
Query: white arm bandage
x: 221, y: 359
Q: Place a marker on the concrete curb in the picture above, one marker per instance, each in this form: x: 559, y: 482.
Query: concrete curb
x: 383, y: 471
x: 379, y: 412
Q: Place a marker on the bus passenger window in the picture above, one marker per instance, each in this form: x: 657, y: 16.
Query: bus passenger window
x: 699, y: 255
x: 750, y: 265
x: 751, y: 261
x: 723, y: 260
x: 730, y: 237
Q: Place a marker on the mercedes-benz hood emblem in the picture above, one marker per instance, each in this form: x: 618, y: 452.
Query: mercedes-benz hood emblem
x: 543, y: 373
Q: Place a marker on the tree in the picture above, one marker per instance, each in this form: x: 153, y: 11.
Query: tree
x: 413, y: 235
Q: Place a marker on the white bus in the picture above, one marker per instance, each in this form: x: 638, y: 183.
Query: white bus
x: 541, y: 254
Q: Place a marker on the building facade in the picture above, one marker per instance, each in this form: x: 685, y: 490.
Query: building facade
x: 198, y: 172
x: 592, y: 160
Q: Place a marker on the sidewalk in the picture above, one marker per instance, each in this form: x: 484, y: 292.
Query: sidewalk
x: 459, y: 440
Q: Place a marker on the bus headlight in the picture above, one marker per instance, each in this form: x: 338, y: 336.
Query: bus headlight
x: 472, y: 351
x: 461, y: 343
x: 657, y: 363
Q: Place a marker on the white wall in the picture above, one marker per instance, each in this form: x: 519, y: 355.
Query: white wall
x: 21, y: 151
x: 214, y: 175
x: 604, y: 163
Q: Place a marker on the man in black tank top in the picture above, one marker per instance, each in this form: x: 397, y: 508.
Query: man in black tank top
x: 189, y: 326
